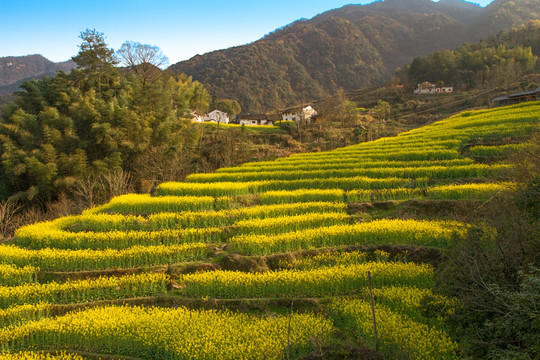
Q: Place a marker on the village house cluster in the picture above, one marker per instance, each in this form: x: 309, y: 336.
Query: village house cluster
x: 428, y: 88
x: 216, y: 116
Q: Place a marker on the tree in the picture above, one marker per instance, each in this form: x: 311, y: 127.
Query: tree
x: 144, y: 60
x: 338, y: 109
x: 94, y: 55
x: 96, y: 63
x: 231, y: 107
x: 383, y: 110
x: 95, y: 121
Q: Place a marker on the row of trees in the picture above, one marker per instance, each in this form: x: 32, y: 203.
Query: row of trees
x: 96, y: 120
x: 496, y: 61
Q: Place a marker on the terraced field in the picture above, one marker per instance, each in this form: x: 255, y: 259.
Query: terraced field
x: 267, y: 260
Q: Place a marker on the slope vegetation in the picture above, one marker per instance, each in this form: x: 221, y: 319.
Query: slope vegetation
x: 297, y: 239
x: 348, y: 48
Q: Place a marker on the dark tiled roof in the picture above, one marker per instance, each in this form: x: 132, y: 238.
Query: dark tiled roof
x: 517, y: 95
x: 252, y: 117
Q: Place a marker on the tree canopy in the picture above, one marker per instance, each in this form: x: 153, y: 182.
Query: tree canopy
x: 143, y: 59
x: 493, y: 62
x: 94, y: 120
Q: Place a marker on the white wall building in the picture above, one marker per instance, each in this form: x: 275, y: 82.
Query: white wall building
x: 195, y: 117
x: 428, y: 88
x: 217, y: 117
x: 306, y: 113
x: 255, y: 119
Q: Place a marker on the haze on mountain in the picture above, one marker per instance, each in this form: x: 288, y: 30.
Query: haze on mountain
x: 349, y: 48
x: 14, y: 70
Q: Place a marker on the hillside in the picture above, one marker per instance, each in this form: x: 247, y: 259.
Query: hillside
x: 348, y: 48
x: 16, y: 68
x: 274, y: 260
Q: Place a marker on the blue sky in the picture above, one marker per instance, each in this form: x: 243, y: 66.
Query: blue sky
x: 180, y: 28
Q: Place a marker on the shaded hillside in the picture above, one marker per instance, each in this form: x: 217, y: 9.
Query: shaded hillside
x: 16, y: 68
x: 347, y: 48
x: 506, y: 14
x: 490, y: 63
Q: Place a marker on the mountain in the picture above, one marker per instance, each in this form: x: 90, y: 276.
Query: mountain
x: 505, y: 14
x: 16, y: 68
x: 348, y: 48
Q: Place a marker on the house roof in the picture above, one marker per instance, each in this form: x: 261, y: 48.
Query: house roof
x: 517, y: 95
x: 216, y: 111
x: 525, y: 93
x: 501, y: 98
x: 252, y: 117
x: 426, y: 84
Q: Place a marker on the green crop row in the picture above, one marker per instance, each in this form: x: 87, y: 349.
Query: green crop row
x: 301, y: 195
x: 201, y: 189
x: 79, y: 291
x: 432, y: 172
x: 342, y: 164
x: 85, y: 260
x: 146, y: 204
x: 409, y: 232
x: 398, y: 335
x: 335, y: 258
x: 18, y: 314
x: 13, y: 275
x: 159, y: 229
x: 414, y: 302
x: 30, y: 355
x: 199, y: 219
x: 285, y: 224
x: 322, y: 282
x: 50, y: 235
x: 501, y: 150
x: 344, y: 183
x: 172, y: 334
x: 481, y: 191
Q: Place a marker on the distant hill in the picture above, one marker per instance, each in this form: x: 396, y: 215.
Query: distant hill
x: 348, y: 48
x: 14, y: 70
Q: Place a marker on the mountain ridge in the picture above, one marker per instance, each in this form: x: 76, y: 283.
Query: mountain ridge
x: 16, y: 68
x: 346, y: 49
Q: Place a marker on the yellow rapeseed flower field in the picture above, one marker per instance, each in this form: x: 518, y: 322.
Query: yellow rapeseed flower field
x: 155, y: 333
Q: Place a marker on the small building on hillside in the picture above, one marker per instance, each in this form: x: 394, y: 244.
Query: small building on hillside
x: 217, y: 116
x: 517, y: 98
x: 307, y: 113
x: 253, y: 119
x: 428, y: 88
x: 196, y: 117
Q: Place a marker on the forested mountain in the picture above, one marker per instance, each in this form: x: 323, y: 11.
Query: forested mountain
x: 16, y: 68
x: 347, y: 48
x: 492, y: 62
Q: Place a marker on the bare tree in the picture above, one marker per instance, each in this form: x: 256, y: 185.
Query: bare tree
x: 8, y: 212
x: 145, y: 60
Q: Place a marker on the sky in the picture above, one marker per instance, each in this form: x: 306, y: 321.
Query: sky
x: 180, y: 28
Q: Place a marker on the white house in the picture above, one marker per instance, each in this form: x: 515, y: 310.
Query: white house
x: 428, y: 88
x: 306, y: 113
x: 195, y: 117
x: 254, y: 119
x: 217, y: 116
